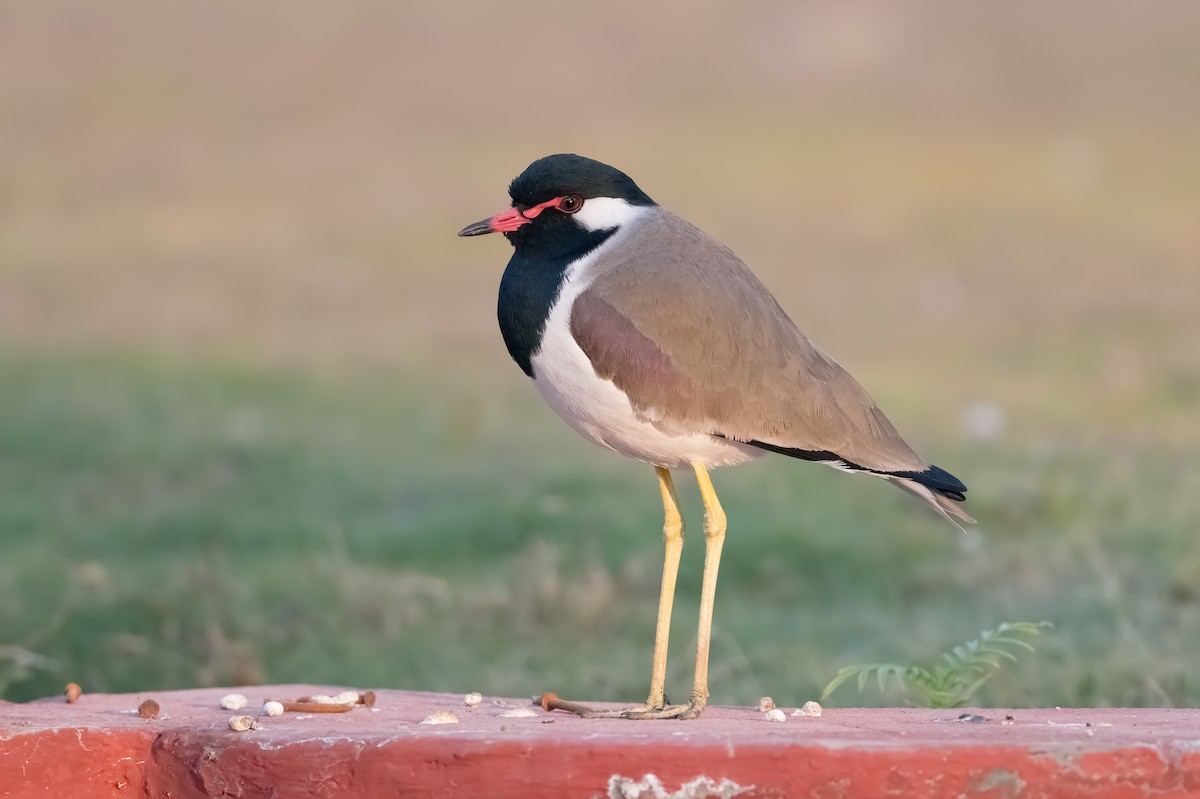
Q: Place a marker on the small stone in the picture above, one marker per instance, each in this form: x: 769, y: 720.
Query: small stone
x: 809, y: 708
x: 233, y: 702
x: 774, y: 714
x: 765, y: 704
x: 441, y: 717
x: 346, y: 698
x: 148, y: 709
x: 323, y: 699
x: 518, y: 713
x: 244, y: 723
x: 473, y: 699
x: 273, y: 708
x: 72, y: 693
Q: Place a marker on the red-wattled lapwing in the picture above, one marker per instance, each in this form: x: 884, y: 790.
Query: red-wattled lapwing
x: 652, y: 339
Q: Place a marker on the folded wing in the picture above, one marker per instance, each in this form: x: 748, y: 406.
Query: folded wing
x: 699, y: 344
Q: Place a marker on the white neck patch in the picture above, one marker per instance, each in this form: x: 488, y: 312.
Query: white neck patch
x: 606, y: 213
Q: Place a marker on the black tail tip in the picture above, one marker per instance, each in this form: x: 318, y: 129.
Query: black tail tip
x: 937, y: 479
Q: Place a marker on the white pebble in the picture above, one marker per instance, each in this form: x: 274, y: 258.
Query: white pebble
x: 273, y: 708
x: 346, y: 698
x: 233, y: 702
x: 244, y: 723
x: 517, y: 713
x: 441, y: 717
x: 323, y: 699
x: 765, y: 704
x: 809, y: 708
x: 472, y: 699
x: 774, y: 714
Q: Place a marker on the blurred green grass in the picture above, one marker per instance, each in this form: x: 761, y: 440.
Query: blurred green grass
x: 167, y: 527
x: 256, y: 423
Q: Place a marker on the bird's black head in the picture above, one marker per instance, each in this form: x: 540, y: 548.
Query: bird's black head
x: 561, y: 202
x: 567, y: 174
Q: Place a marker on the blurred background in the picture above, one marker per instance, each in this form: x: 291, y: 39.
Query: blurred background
x: 257, y: 422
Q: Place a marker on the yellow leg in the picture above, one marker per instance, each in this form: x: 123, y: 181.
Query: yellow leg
x: 714, y: 540
x: 673, y: 538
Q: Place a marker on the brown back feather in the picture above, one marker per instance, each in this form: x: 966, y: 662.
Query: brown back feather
x: 700, y: 345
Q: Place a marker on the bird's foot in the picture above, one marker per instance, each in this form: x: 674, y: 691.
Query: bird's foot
x: 625, y: 713
x: 645, y: 711
x: 551, y: 701
x: 691, y: 710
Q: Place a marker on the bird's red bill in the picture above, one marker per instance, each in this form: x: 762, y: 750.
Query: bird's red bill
x: 508, y: 221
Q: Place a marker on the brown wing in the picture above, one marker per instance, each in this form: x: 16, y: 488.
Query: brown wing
x: 700, y: 345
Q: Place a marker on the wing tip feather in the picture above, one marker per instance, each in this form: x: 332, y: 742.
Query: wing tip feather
x: 945, y: 506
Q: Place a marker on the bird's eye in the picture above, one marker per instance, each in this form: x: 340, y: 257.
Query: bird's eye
x: 570, y: 204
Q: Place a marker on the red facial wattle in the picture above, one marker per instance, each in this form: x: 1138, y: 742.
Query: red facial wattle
x: 510, y: 220
x: 514, y: 218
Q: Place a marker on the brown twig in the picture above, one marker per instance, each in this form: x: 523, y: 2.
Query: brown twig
x: 550, y: 701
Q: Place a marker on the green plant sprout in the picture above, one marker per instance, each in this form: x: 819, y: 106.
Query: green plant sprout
x: 954, y: 683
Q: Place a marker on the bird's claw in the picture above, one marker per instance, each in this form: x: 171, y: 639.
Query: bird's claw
x: 689, y: 711
x: 645, y: 711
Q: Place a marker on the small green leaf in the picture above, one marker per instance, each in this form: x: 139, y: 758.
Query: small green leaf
x: 965, y: 669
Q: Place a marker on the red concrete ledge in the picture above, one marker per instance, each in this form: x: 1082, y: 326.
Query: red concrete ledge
x: 100, y: 747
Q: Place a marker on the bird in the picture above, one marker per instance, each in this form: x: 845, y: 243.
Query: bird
x: 654, y: 340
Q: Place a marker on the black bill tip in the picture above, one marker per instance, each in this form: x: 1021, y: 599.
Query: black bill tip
x: 477, y: 228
